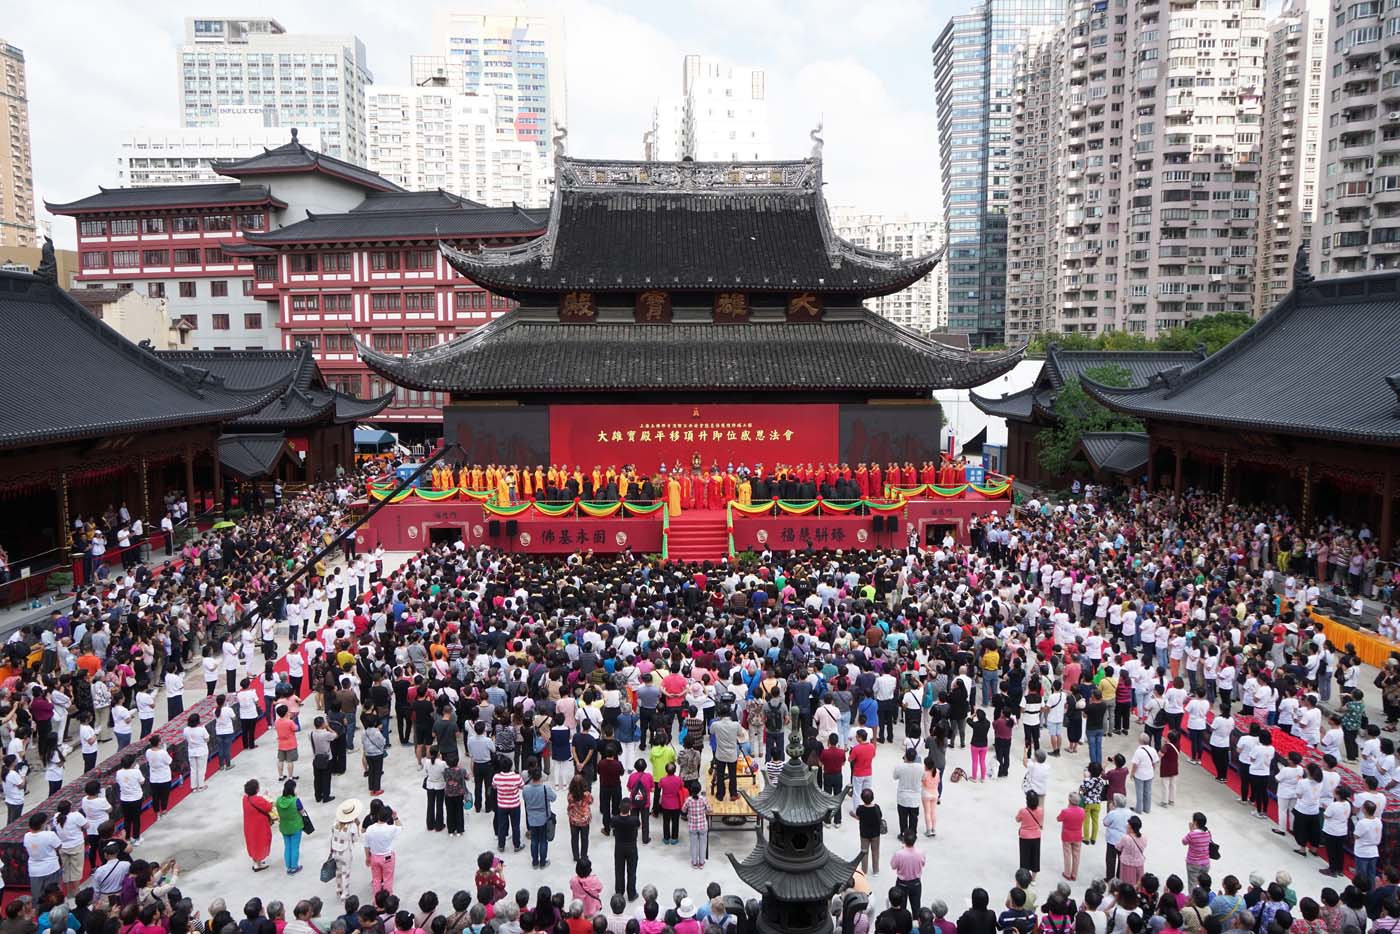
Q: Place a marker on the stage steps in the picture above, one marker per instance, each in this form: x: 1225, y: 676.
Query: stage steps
x: 700, y: 535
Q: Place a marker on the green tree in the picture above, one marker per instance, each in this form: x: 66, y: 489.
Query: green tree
x: 1076, y: 412
x: 1214, y: 331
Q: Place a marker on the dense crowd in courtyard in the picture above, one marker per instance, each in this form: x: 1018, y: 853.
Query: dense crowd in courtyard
x: 616, y: 694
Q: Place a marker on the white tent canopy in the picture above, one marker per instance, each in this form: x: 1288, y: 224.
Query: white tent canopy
x: 965, y: 421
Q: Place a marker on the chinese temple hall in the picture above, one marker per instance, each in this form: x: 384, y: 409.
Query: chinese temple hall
x: 713, y: 301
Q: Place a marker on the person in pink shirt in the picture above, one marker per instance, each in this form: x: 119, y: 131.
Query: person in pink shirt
x: 286, y: 743
x: 672, y: 797
x: 1071, y: 820
x: 908, y: 866
x: 587, y: 887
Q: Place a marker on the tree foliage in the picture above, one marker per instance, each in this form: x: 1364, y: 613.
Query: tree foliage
x: 1076, y: 412
x: 1214, y: 331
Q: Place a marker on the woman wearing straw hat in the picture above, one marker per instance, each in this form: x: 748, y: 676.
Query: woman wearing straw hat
x: 345, y: 837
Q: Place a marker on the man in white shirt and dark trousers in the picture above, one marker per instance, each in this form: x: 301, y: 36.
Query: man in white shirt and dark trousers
x: 1144, y: 769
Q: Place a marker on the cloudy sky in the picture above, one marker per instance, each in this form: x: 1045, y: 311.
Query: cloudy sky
x: 99, y: 67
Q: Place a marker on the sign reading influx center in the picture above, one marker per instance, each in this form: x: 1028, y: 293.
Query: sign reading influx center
x: 651, y: 435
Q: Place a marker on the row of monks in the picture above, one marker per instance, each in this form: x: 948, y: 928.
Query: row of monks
x: 697, y: 488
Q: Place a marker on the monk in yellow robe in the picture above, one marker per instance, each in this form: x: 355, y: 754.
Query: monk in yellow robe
x: 502, y: 489
x: 477, y: 484
x: 673, y: 495
x: 527, y: 483
x: 623, y: 483
x: 745, y: 493
x: 540, y: 488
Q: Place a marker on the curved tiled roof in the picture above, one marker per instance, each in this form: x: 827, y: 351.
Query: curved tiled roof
x: 251, y: 456
x: 304, y: 401
x: 1325, y: 363
x: 857, y: 350
x: 1115, y: 452
x: 690, y: 226
x: 69, y: 376
x: 292, y: 157
x: 231, y: 194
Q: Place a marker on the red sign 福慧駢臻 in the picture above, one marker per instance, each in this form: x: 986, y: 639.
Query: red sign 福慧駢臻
x: 648, y: 436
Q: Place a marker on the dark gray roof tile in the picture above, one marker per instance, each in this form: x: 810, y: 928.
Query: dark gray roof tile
x: 230, y: 194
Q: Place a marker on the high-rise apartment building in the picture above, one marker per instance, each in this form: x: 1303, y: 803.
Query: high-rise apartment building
x: 1358, y: 227
x: 1031, y: 261
x: 721, y: 115
x: 1154, y: 140
x: 1295, y: 55
x: 434, y: 137
x: 518, y: 56
x: 182, y: 155
x: 921, y: 306
x: 298, y: 80
x: 973, y: 66
x: 16, y: 167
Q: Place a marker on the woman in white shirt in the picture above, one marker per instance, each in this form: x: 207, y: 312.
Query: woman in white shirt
x: 121, y: 723
x: 248, y: 712
x: 1288, y: 778
x: 1365, y: 844
x: 15, y: 784
x: 1336, y: 821
x: 71, y: 828
x: 1261, y: 766
x: 97, y: 809
x: 225, y: 729
x: 197, y: 749
x: 158, y: 761
x: 1307, y: 813
x: 130, y: 794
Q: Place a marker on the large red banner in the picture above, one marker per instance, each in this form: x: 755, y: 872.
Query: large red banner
x: 648, y: 436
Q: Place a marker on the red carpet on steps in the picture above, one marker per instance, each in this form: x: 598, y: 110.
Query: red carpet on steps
x: 698, y: 536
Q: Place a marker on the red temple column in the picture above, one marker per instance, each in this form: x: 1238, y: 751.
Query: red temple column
x: 1176, y: 477
x: 1388, y: 511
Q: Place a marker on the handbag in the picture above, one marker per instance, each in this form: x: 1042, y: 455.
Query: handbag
x: 550, y: 826
x: 884, y: 826
x: 328, y: 869
x: 1214, y: 851
x: 307, y: 827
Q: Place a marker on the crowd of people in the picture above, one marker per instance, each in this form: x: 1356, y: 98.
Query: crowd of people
x: 538, y: 691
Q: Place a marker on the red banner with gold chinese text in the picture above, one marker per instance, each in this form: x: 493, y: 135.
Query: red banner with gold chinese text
x: 648, y: 436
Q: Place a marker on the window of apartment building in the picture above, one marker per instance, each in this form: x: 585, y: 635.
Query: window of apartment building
x: 187, y: 225
x: 251, y: 221
x: 220, y: 322
x: 124, y: 226
x: 339, y: 343
x: 155, y: 258
x: 389, y: 343
x: 424, y: 340
x: 306, y: 303
x: 218, y: 288
x: 215, y: 256
x: 344, y: 382
x: 92, y: 228
x: 384, y: 260
x: 419, y: 301
x: 187, y: 290
x: 155, y: 289
x: 218, y: 222
x: 418, y: 259
x: 384, y: 301
x: 153, y: 225
x: 191, y: 320
x: 186, y: 257
x: 94, y: 259
x: 335, y: 262
x: 125, y: 286
x: 342, y: 302
x: 252, y: 320
x: 265, y: 272
x: 302, y: 262
x: 121, y: 259
x: 247, y: 286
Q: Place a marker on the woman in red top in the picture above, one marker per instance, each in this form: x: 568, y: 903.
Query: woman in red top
x: 1170, y: 767
x: 257, y: 825
x: 1071, y: 820
x: 672, y: 797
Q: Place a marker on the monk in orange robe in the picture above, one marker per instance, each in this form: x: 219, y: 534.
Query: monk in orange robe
x: 527, y: 483
x: 540, y: 488
x: 717, y: 489
x: 673, y: 496
x: 863, y: 481
x: 731, y: 486
x: 624, y: 483
x: 702, y: 490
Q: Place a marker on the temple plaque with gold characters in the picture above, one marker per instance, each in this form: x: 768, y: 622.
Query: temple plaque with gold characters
x: 653, y: 307
x: 731, y: 308
x: 578, y: 308
x: 804, y: 306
